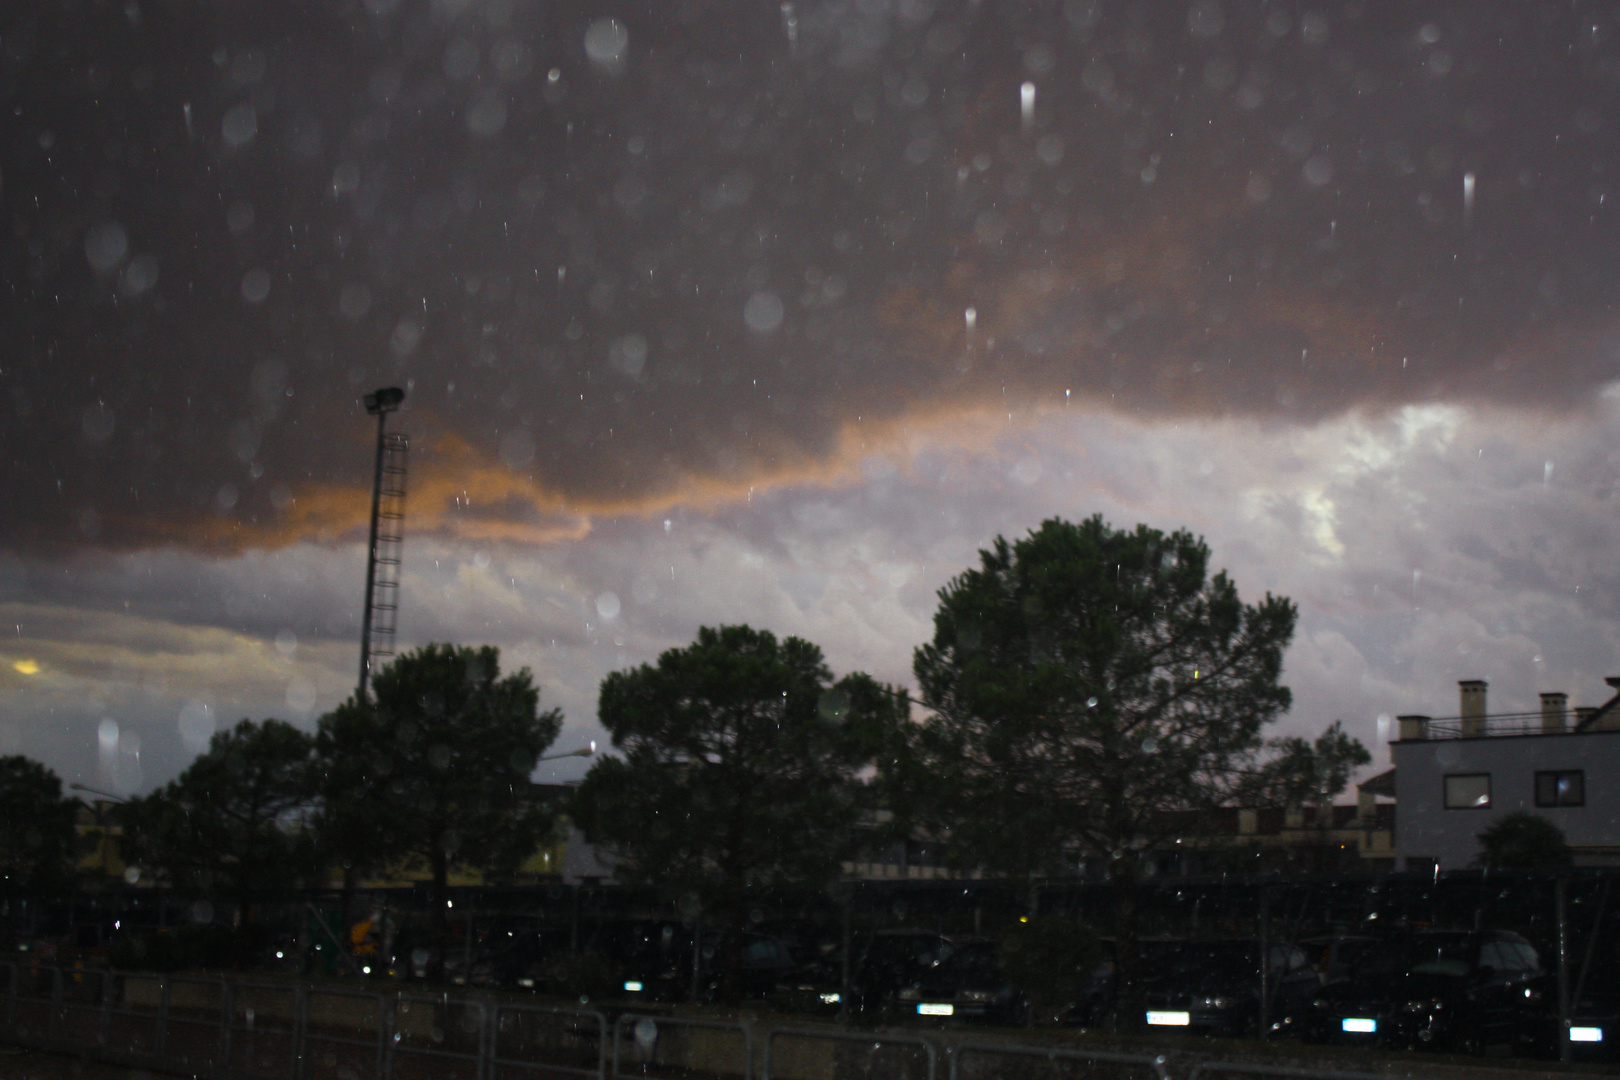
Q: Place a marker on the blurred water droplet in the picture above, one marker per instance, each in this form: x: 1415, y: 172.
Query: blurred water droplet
x: 256, y: 285
x: 517, y: 449
x: 105, y: 245
x: 345, y: 178
x: 301, y: 695
x: 606, y: 41
x: 286, y: 642
x: 488, y: 114
x: 140, y: 274
x: 107, y: 734
x: 607, y: 605
x: 763, y: 312
x: 196, y: 725
x: 240, y: 125
x: 628, y: 354
x: 406, y: 337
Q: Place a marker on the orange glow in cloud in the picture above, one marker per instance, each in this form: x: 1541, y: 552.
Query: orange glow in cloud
x: 458, y: 493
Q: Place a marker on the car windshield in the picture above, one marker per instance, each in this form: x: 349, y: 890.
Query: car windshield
x: 909, y: 951
x: 971, y: 963
x: 1430, y: 954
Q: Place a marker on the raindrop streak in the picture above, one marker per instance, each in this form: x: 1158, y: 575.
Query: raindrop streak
x: 790, y: 23
x: 971, y: 317
x: 1468, y: 196
x: 1026, y: 105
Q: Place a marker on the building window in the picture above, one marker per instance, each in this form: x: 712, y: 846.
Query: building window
x: 1567, y: 788
x: 1468, y: 791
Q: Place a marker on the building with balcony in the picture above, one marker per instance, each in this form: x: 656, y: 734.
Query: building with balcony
x: 1455, y: 775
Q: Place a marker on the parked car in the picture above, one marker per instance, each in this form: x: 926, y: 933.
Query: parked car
x: 513, y: 955
x: 1455, y: 990
x: 653, y: 962
x: 1594, y: 1029
x: 881, y: 964
x: 1212, y: 986
x: 967, y: 985
x: 1336, y: 955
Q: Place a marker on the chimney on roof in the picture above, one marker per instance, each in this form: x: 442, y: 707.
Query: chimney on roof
x: 1554, y: 714
x: 1413, y: 727
x: 1472, y: 695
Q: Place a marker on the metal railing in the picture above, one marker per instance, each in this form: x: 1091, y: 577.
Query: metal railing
x: 1293, y: 1072
x: 245, y: 1029
x: 1129, y: 1064
x: 706, y: 1040
x: 870, y: 1045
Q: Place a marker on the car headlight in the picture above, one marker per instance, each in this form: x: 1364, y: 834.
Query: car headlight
x: 978, y: 996
x: 1321, y: 1003
x: 911, y: 993
x: 1219, y: 1001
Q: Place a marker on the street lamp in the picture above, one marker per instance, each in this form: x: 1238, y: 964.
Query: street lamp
x: 584, y: 751
x: 96, y: 791
x: 379, y: 403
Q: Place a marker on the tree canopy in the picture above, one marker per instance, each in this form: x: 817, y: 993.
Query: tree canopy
x: 743, y: 765
x: 1522, y: 841
x: 1301, y: 772
x: 36, y: 828
x: 434, y: 767
x: 1093, y: 689
x: 235, y: 819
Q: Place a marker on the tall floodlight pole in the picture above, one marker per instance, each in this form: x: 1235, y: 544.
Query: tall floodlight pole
x: 379, y: 403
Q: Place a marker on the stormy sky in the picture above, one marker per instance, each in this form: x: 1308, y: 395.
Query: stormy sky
x: 776, y: 313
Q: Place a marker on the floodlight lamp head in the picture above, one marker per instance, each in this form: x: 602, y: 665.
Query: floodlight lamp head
x: 384, y: 400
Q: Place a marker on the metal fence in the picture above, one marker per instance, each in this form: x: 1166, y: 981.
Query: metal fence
x: 244, y: 1029
x: 1010, y: 1061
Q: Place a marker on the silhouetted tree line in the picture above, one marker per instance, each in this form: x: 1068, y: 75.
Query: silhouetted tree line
x: 1084, y: 690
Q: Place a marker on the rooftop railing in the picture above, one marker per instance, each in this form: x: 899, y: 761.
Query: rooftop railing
x: 1493, y: 725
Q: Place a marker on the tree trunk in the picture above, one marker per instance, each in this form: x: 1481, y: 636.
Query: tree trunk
x: 1130, y: 1000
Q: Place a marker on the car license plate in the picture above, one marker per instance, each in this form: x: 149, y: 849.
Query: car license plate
x: 1585, y: 1034
x: 926, y: 1009
x: 1359, y: 1025
x: 1169, y: 1019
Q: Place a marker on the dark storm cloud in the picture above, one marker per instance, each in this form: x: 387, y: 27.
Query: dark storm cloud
x: 661, y: 250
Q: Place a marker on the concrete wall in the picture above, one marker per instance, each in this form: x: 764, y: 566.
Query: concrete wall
x: 1427, y: 830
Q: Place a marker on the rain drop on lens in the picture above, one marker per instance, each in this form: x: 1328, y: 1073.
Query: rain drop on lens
x: 763, y: 313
